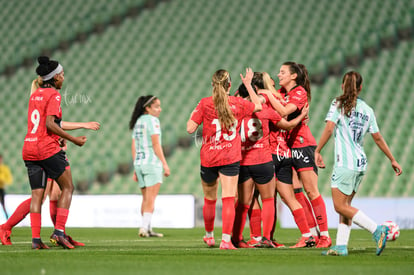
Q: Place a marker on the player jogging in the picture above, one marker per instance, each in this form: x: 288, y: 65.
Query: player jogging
x: 350, y: 118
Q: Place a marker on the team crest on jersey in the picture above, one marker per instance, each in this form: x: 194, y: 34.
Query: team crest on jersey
x: 301, y: 139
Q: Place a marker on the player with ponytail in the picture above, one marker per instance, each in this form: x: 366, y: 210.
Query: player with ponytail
x: 220, y: 153
x: 351, y: 119
x: 149, y: 160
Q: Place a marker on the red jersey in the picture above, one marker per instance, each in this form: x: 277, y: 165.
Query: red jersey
x: 220, y: 146
x: 278, y: 137
x: 301, y: 135
x: 39, y: 143
x: 255, y: 136
x: 278, y: 142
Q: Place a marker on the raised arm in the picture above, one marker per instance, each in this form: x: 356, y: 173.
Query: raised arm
x: 247, y: 81
x: 379, y: 140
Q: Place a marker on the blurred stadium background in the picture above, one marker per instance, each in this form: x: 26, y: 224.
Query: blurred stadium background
x: 114, y: 51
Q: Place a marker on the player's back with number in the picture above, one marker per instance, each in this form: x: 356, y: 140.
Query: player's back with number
x: 39, y: 143
x: 220, y: 146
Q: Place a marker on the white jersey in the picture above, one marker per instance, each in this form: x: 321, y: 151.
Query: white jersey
x: 349, y: 134
x: 146, y: 126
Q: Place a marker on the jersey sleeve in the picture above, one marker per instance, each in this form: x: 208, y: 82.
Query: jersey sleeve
x: 274, y: 116
x: 197, y: 114
x: 53, y: 106
x: 154, y: 128
x: 299, y: 98
x: 333, y: 113
x: 248, y: 107
x: 373, y: 126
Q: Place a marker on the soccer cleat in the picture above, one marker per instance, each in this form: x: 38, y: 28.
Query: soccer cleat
x: 73, y: 242
x: 337, y: 250
x: 39, y: 245
x: 143, y: 233
x: 305, y: 242
x: 278, y: 245
x: 253, y: 242
x: 380, y: 238
x: 324, y: 242
x: 242, y: 244
x: 316, y: 240
x: 266, y: 243
x: 227, y: 245
x: 5, y: 236
x: 155, y: 234
x: 61, y: 240
x: 209, y: 241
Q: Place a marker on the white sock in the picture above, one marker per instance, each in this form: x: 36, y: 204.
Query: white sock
x: 146, y: 220
x: 325, y: 233
x: 364, y: 221
x: 209, y: 234
x: 314, y: 231
x: 342, y: 236
x: 226, y: 237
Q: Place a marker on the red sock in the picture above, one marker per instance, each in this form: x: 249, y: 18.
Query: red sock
x: 268, y: 215
x: 36, y: 224
x: 300, y: 219
x: 227, y: 214
x: 255, y: 222
x: 209, y: 214
x: 61, y: 218
x: 320, y: 212
x: 53, y: 211
x: 240, y: 221
x: 307, y: 207
x: 272, y: 232
x: 18, y: 215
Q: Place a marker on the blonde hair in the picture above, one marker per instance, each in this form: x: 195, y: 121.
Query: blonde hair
x: 36, y: 84
x: 268, y: 85
x: 221, y: 83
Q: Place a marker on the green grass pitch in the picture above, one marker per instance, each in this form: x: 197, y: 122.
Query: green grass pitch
x: 181, y: 251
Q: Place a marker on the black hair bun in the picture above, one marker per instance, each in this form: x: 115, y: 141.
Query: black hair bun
x: 43, y: 60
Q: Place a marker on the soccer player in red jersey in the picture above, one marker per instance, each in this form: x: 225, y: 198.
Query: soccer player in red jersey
x: 294, y: 80
x: 256, y: 167
x: 52, y: 188
x: 282, y: 161
x: 42, y: 153
x: 220, y: 153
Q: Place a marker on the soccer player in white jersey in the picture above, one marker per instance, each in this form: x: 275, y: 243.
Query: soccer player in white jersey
x: 149, y: 160
x: 351, y: 119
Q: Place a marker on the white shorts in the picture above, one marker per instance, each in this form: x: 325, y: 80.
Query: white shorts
x: 346, y: 180
x: 148, y: 175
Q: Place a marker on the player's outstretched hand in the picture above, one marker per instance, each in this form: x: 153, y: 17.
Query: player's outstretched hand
x: 249, y: 76
x: 93, y: 125
x: 80, y: 141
